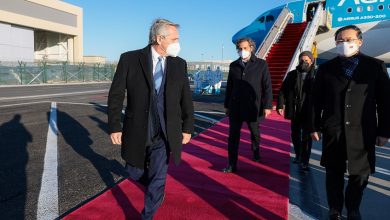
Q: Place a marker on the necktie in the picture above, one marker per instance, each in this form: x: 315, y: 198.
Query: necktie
x: 158, y: 74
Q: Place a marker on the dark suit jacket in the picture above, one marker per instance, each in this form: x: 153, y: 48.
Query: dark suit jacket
x: 359, y: 108
x: 134, y: 76
x: 289, y: 92
x: 248, y: 89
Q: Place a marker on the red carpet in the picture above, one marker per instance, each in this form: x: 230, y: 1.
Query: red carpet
x: 196, y: 189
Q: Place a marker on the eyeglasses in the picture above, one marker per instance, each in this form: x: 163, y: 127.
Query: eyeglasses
x: 348, y: 41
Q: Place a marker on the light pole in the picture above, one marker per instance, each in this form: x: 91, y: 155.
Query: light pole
x: 222, y: 53
x: 211, y: 62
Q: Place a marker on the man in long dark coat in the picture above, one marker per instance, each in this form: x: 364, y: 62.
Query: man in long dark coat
x: 248, y: 97
x: 351, y: 105
x: 159, y: 115
x: 293, y: 103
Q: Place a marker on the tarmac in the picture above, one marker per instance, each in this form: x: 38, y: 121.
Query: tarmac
x: 88, y: 164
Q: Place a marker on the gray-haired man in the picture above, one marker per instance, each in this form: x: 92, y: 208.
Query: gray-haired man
x: 159, y: 113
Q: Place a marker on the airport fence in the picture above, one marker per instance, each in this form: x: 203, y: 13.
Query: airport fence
x: 43, y: 72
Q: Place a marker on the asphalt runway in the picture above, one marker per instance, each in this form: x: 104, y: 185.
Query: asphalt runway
x: 68, y: 124
x: 87, y: 162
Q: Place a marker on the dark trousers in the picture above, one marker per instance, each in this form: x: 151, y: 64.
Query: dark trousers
x: 234, y: 138
x: 152, y: 177
x: 353, y: 192
x: 301, y: 140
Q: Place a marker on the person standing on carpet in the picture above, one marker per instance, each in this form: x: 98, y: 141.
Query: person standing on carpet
x: 293, y: 103
x: 351, y: 106
x: 248, y: 97
x: 159, y: 115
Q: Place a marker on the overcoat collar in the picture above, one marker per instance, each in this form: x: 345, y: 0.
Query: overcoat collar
x: 147, y: 65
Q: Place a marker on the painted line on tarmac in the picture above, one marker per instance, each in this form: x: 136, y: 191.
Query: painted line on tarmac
x: 54, y: 95
x: 80, y: 103
x: 382, y: 155
x: 48, y: 194
x: 56, y: 84
x: 40, y: 102
x: 208, y: 112
x: 21, y: 104
x: 207, y: 118
x: 371, y: 180
x: 377, y: 169
x: 383, y: 148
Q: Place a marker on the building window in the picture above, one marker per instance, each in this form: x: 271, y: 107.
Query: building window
x: 381, y: 7
x: 359, y: 9
x: 349, y: 10
x: 370, y: 8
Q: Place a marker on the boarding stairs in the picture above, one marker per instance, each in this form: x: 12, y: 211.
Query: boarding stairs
x: 283, y: 44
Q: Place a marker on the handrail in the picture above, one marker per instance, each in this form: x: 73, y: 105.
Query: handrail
x: 274, y: 33
x: 308, y: 36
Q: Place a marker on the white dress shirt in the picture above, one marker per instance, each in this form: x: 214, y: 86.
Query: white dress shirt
x: 155, y: 56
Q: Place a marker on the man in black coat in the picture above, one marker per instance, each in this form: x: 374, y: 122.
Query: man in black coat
x: 248, y: 96
x: 351, y: 105
x: 159, y: 115
x: 293, y: 103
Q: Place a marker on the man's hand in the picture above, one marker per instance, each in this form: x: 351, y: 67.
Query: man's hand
x: 267, y: 112
x: 316, y: 136
x: 116, y: 138
x: 226, y: 111
x: 280, y: 111
x: 381, y: 141
x: 186, y: 138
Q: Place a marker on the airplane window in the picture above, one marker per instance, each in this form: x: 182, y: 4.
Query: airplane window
x: 261, y: 19
x: 349, y: 10
x: 359, y: 9
x: 380, y: 7
x: 269, y: 18
x: 370, y: 8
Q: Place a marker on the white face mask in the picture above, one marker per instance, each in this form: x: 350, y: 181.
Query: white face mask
x: 347, y: 49
x: 173, y: 49
x: 244, y: 54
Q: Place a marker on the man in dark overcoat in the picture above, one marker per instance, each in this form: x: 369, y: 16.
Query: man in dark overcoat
x: 159, y: 115
x: 248, y: 97
x: 351, y: 105
x: 293, y: 103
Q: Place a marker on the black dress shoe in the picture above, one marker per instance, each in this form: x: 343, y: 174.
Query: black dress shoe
x: 354, y: 215
x: 296, y: 160
x: 335, y: 217
x: 229, y: 169
x: 256, y: 155
x: 305, y: 167
x: 334, y: 214
x: 256, y: 158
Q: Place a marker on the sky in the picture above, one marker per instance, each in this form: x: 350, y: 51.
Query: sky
x: 112, y: 27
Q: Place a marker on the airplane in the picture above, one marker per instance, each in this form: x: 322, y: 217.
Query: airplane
x: 283, y: 32
x: 371, y: 16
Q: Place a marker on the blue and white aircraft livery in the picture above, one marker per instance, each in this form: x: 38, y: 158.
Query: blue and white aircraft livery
x: 371, y: 16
